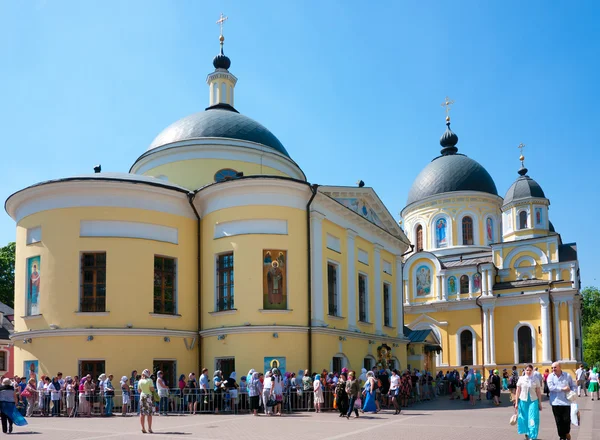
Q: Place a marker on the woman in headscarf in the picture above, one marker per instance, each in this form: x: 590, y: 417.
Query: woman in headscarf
x: 146, y: 388
x: 363, y: 377
x: 71, y: 391
x: 125, y: 393
x: 369, y: 403
x: 470, y: 381
x: 353, y: 391
x: 318, y: 390
x: 254, y: 392
x: 495, y: 381
x: 267, y: 393
x: 593, y: 386
x: 8, y: 408
x: 341, y: 396
x: 217, y: 382
x: 31, y: 388
x: 528, y: 404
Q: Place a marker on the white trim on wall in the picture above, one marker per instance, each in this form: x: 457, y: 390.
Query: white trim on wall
x: 34, y: 235
x: 334, y: 243
x: 516, y: 342
x: 475, y: 219
x: 338, y: 287
x: 458, y: 348
x: 124, y: 229
x: 251, y: 226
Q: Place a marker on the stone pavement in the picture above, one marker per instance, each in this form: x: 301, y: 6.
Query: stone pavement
x: 441, y: 419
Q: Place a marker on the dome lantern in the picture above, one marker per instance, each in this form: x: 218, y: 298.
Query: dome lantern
x: 221, y: 82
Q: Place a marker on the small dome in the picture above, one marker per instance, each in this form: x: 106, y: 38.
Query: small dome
x: 449, y: 140
x: 449, y: 173
x: 523, y: 188
x: 221, y: 121
x: 221, y: 61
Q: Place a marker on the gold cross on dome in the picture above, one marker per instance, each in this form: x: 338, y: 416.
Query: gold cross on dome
x: 222, y: 20
x: 447, y: 103
x: 520, y: 147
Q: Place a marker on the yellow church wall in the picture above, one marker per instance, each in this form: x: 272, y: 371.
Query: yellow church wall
x: 196, y: 173
x: 339, y: 258
x: 506, y: 318
x: 395, y: 295
x: 564, y: 331
x: 129, y: 270
x: 565, y: 274
x: 250, y: 349
x: 121, y: 354
x: 247, y: 253
x: 368, y: 270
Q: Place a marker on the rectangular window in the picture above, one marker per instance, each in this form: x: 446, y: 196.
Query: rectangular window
x: 169, y: 369
x: 387, y: 312
x: 367, y: 364
x: 332, y: 289
x: 225, y: 283
x: 362, y: 298
x: 93, y: 367
x: 164, y: 285
x: 226, y: 365
x: 93, y: 282
x: 337, y: 364
x: 3, y: 361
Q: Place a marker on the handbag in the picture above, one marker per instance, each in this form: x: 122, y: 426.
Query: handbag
x: 271, y: 402
x: 513, y: 419
x: 26, y: 393
x: 358, y: 403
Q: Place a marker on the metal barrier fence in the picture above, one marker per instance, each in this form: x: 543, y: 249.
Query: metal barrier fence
x: 200, y: 401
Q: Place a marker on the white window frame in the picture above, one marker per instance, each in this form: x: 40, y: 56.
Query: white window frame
x: 390, y: 298
x: 459, y: 361
x: 475, y: 220
x: 528, y: 226
x: 216, y: 282
x: 367, y: 298
x: 516, y: 342
x: 175, y: 283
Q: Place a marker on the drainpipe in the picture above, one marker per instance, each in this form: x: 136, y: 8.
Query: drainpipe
x: 552, y: 323
x: 483, y: 370
x: 191, y: 198
x: 412, y: 248
x: 313, y: 189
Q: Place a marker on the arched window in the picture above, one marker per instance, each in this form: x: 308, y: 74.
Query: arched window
x: 467, y: 230
x: 215, y: 97
x: 223, y: 98
x: 523, y: 220
x: 466, y: 348
x: 525, y: 346
x: 225, y: 174
x: 419, y: 238
x: 464, y: 284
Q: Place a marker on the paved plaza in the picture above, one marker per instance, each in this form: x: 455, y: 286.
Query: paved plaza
x: 441, y: 419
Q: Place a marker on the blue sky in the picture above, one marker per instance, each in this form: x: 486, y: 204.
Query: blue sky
x: 352, y: 89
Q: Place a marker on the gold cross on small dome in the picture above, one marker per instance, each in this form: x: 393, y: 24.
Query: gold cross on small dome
x: 447, y: 103
x: 520, y: 147
x: 222, y: 20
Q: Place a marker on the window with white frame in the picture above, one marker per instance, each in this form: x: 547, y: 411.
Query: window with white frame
x: 225, y: 283
x: 333, y: 289
x: 387, y: 305
x: 363, y: 300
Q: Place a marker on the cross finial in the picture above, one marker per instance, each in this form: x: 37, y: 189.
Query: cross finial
x: 447, y: 103
x: 220, y: 22
x: 520, y: 147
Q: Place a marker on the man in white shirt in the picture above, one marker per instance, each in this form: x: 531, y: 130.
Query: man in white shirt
x: 560, y: 384
x: 580, y: 376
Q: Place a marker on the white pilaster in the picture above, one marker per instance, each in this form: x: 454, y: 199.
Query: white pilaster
x: 351, y: 279
x: 378, y: 291
x: 471, y: 286
x: 573, y: 274
x: 486, y: 357
x: 438, y: 295
x: 571, y: 330
x: 546, y: 343
x: 484, y: 283
x: 406, y: 293
x: 444, y: 288
x: 318, y: 300
x: 492, y: 339
x: 399, y: 302
x: 557, y: 355
x: 490, y: 282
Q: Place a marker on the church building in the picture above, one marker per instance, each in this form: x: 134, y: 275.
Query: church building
x: 490, y: 277
x: 212, y: 251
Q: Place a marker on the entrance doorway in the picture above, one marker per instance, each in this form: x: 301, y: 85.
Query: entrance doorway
x: 169, y: 369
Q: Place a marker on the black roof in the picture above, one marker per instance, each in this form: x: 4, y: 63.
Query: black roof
x: 221, y: 121
x: 567, y: 252
x: 523, y: 188
x: 449, y: 173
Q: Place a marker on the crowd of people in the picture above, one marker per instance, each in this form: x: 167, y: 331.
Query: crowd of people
x: 273, y: 393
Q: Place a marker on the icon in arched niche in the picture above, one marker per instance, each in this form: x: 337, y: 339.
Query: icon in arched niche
x: 477, y: 281
x: 274, y: 280
x: 423, y: 280
x: 452, y: 286
x: 441, y: 239
x: 489, y: 226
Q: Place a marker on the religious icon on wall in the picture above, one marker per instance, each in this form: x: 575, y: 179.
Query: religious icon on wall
x: 538, y: 216
x: 384, y: 355
x: 274, y: 280
x: 440, y: 233
x: 275, y: 362
x: 477, y: 282
x: 30, y: 369
x: 423, y: 281
x: 489, y: 226
x: 33, y: 286
x: 452, y: 286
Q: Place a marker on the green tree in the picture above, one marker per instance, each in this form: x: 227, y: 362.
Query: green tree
x: 7, y: 274
x: 590, y: 306
x: 591, y: 344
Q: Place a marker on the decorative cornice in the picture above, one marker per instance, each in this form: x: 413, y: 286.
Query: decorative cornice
x: 433, y: 201
x: 102, y: 332
x: 253, y: 329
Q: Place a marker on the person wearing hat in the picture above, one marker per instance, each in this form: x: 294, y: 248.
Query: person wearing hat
x: 125, y: 395
x: 145, y: 388
x: 593, y: 387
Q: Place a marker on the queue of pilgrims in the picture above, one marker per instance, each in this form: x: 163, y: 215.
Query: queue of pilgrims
x: 270, y: 393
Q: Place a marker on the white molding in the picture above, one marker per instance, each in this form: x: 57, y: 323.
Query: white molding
x: 458, y: 347
x: 363, y: 256
x: 516, y: 342
x: 334, y: 243
x: 92, y: 313
x: 359, y: 335
x: 424, y: 254
x: 387, y: 267
x: 34, y: 235
x: 275, y: 312
x: 217, y: 148
x: 427, y: 202
x: 126, y: 229
x: 427, y: 319
x: 97, y: 193
x: 252, y: 192
x: 251, y: 226
x: 101, y: 332
x: 524, y: 248
x: 164, y: 315
x: 253, y: 329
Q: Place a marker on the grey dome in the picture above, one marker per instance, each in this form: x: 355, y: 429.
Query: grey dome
x: 221, y: 121
x: 449, y: 173
x: 523, y: 188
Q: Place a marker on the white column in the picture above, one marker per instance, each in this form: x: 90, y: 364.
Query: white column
x: 471, y: 286
x: 378, y: 289
x: 351, y: 278
x: 399, y: 302
x: 438, y: 295
x: 571, y: 330
x: 444, y: 287
x: 546, y: 343
x: 490, y: 282
x: 484, y: 283
x: 486, y: 358
x: 578, y: 353
x: 573, y: 274
x: 406, y: 293
x: 492, y: 341
x: 557, y: 355
x: 316, y: 230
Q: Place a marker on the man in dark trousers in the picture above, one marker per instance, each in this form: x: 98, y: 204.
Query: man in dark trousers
x: 560, y: 384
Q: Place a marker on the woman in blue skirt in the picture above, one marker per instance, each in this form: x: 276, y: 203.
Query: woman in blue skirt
x: 528, y: 403
x: 369, y: 402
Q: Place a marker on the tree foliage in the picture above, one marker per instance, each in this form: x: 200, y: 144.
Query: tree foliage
x: 591, y: 343
x: 590, y: 306
x: 7, y: 274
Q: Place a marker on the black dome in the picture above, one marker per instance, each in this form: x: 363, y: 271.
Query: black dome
x: 222, y: 122
x: 449, y: 173
x: 523, y: 188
